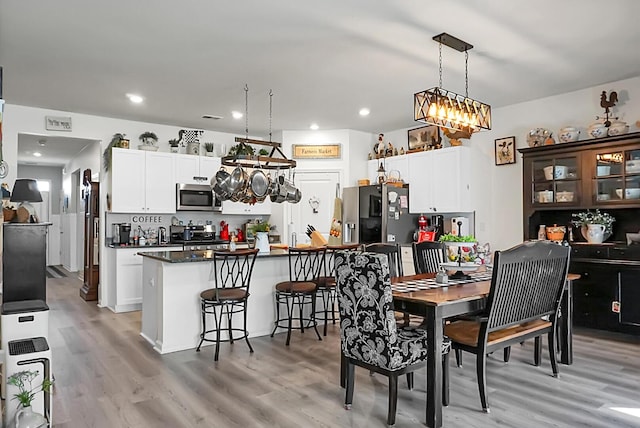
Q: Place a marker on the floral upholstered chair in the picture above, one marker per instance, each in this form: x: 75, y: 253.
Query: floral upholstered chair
x: 369, y: 335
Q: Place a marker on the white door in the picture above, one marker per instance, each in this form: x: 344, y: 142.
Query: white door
x: 319, y: 192
x: 42, y: 210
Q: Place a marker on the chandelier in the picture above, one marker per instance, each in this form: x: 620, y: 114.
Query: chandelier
x: 440, y: 107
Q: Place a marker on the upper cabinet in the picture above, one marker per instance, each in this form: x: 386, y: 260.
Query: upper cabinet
x: 396, y: 167
x: 139, y: 182
x: 440, y: 180
x: 192, y: 169
x: 596, y: 173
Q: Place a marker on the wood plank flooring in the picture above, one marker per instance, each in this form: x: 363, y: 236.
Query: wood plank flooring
x: 108, y: 376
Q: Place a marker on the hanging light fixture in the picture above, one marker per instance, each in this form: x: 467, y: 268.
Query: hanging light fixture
x: 440, y: 107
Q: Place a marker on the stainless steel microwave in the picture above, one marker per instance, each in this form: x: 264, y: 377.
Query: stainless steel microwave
x: 196, y: 197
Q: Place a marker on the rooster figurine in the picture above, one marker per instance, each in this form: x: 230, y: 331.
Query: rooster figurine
x: 606, y: 104
x: 455, y: 136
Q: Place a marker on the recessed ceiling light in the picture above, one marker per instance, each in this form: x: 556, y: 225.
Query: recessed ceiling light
x: 211, y: 116
x: 236, y: 114
x: 134, y: 98
x: 37, y: 154
x: 314, y: 127
x: 364, y: 111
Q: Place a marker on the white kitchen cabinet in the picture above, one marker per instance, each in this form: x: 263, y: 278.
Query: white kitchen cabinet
x: 440, y: 181
x: 142, y: 182
x: 192, y: 169
x: 394, y: 166
x: 263, y: 208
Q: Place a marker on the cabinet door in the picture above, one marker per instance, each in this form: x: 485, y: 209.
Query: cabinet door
x: 240, y: 208
x: 556, y: 181
x: 420, y: 183
x: 160, y: 183
x: 187, y: 168
x: 397, y: 167
x: 450, y: 179
x: 616, y: 176
x: 209, y: 166
x: 127, y: 181
x: 594, y: 293
x: 372, y: 170
x: 629, y: 297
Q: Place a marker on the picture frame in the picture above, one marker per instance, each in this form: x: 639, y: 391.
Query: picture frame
x: 423, y: 138
x: 505, y: 150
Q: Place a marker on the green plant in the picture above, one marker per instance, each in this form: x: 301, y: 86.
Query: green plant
x: 455, y: 238
x: 28, y: 392
x: 145, y: 137
x: 241, y: 149
x: 263, y: 152
x: 262, y: 226
x: 208, y: 147
x: 174, y: 142
x: 589, y: 217
x: 106, y: 156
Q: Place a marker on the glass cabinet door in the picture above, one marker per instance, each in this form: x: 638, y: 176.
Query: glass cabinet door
x: 556, y: 181
x: 617, y: 176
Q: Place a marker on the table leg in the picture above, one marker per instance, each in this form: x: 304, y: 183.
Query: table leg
x: 433, y: 320
x: 566, y: 323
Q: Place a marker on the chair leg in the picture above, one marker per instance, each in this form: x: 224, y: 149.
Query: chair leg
x: 348, y: 397
x: 410, y: 381
x: 290, y: 317
x: 218, y: 320
x: 552, y: 353
x: 313, y: 315
x: 204, y: 325
x: 332, y: 302
x: 458, y: 357
x: 229, y: 326
x: 537, y: 353
x: 301, y: 311
x: 445, y: 379
x: 246, y: 332
x: 343, y: 370
x: 507, y: 354
x: 275, y: 327
x: 481, y: 362
x: 393, y: 399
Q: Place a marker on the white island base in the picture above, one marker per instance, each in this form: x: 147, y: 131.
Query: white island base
x: 171, y: 318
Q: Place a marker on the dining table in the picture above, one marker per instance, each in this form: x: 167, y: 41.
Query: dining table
x: 420, y: 295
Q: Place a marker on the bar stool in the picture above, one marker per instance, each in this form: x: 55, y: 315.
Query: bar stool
x: 326, y: 285
x: 231, y: 274
x: 305, y: 264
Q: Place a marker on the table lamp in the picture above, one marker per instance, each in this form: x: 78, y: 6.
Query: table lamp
x: 25, y: 191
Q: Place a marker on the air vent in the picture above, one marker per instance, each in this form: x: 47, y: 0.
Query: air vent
x: 211, y: 116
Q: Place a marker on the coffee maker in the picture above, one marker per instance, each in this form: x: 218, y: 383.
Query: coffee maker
x: 437, y: 225
x: 121, y: 233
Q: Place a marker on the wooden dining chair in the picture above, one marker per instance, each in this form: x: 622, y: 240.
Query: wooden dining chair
x: 394, y: 256
x: 367, y: 337
x: 526, y: 289
x: 427, y: 256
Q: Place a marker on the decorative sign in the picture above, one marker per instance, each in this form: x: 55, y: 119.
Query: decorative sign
x: 57, y: 123
x: 327, y: 151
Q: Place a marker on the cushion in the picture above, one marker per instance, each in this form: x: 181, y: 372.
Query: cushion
x: 296, y: 287
x: 224, y: 294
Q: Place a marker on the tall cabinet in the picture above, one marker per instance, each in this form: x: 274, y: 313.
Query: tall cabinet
x: 89, y: 288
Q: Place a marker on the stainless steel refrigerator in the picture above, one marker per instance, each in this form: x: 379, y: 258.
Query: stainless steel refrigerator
x: 378, y: 213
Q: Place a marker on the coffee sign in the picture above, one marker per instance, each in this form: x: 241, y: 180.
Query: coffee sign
x: 326, y: 151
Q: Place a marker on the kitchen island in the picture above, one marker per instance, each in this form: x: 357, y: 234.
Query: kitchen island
x: 171, y: 286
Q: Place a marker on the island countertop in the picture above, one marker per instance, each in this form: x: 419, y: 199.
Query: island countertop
x: 197, y: 255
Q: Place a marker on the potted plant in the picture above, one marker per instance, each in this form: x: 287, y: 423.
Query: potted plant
x: 596, y: 227
x: 174, y: 143
x: 117, y: 140
x: 261, y: 231
x: 149, y: 141
x: 208, y: 148
x: 26, y: 394
x: 460, y: 248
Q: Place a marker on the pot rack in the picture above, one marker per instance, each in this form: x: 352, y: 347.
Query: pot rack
x: 275, y: 160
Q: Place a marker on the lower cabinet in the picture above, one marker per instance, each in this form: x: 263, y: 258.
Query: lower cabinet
x: 607, y: 297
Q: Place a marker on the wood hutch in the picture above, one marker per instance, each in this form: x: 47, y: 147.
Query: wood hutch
x: 591, y: 174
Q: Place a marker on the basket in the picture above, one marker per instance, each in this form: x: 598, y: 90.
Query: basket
x: 364, y: 182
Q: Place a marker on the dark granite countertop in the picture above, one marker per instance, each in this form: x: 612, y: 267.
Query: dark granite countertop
x: 117, y: 247
x: 196, y: 256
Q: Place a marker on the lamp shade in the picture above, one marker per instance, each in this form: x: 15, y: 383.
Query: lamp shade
x: 25, y: 190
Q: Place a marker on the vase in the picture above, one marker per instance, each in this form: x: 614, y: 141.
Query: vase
x: 262, y: 242
x: 193, y: 148
x: 175, y: 149
x: 595, y: 233
x: 584, y: 230
x: 27, y: 418
x: 210, y: 154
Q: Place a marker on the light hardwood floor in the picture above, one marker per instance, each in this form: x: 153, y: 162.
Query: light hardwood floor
x: 108, y: 376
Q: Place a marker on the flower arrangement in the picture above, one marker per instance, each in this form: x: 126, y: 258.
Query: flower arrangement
x: 597, y: 217
x: 28, y: 392
x: 261, y: 226
x: 148, y: 138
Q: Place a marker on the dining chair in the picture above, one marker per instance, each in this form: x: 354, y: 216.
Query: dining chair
x: 523, y: 301
x: 392, y: 251
x: 427, y: 256
x: 369, y: 336
x: 326, y: 284
x: 231, y: 276
x: 305, y: 264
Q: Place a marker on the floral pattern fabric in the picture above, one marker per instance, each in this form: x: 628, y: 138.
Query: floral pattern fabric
x: 368, y: 327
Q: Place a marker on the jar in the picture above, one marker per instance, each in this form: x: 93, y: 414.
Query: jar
x: 555, y: 232
x: 542, y: 233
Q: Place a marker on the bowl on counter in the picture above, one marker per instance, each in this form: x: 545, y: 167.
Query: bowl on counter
x: 568, y: 134
x: 564, y: 197
x: 629, y: 193
x: 603, y: 197
x: 633, y: 238
x: 603, y: 170
x: 544, y: 196
x: 559, y: 172
x: 555, y: 232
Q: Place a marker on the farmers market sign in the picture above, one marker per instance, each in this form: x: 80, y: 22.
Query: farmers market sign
x: 327, y: 151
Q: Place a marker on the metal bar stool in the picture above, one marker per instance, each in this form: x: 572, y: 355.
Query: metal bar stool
x: 231, y: 274
x: 305, y: 264
x: 326, y: 285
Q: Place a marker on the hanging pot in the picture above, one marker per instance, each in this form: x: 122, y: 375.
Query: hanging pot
x: 237, y: 184
x: 259, y: 184
x: 220, y: 184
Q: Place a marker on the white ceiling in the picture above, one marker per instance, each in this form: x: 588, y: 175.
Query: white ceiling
x: 55, y: 151
x: 324, y: 60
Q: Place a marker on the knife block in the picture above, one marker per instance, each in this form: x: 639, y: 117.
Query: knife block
x: 317, y: 240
